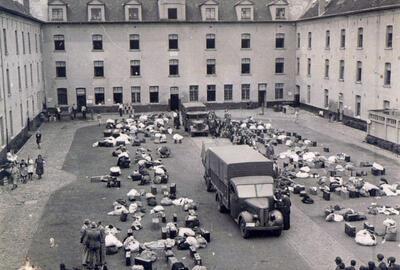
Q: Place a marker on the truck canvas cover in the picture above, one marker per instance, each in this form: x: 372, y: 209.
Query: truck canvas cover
x: 206, y: 145
x: 193, y: 107
x: 228, y: 162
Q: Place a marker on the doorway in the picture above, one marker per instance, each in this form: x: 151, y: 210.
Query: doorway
x: 80, y: 97
x: 297, y: 96
x: 174, y: 102
x: 174, y: 99
x: 261, y: 98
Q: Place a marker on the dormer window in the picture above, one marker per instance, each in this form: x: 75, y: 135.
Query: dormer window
x: 96, y: 11
x: 172, y: 10
x: 245, y: 14
x: 133, y: 11
x: 209, y: 10
x: 95, y: 14
x: 57, y: 11
x: 280, y: 13
x: 172, y: 14
x: 277, y: 9
x: 245, y: 10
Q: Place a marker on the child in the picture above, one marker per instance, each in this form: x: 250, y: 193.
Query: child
x: 23, y: 171
x: 31, y: 168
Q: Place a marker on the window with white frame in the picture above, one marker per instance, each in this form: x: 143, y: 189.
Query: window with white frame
x: 193, y: 93
x: 210, y: 14
x: 298, y: 66
x: 210, y: 41
x: 280, y: 41
x: 154, y: 98
x: 134, y: 42
x: 173, y: 42
x: 279, y: 65
x: 357, y: 111
x: 388, y: 74
x: 246, y: 66
x: 308, y: 66
x: 174, y: 67
x: 389, y: 36
x: 98, y: 68
x: 343, y: 38
x: 59, y: 43
x: 360, y: 37
x: 245, y: 91
x: 97, y: 42
x: 133, y: 14
x: 61, y: 71
x: 298, y: 40
x: 326, y: 73
x: 135, y: 94
x: 308, y: 94
x: 62, y: 96
x: 211, y: 93
x: 386, y: 104
x: 246, y: 41
x: 280, y: 13
x: 135, y: 67
x: 99, y: 95
x: 341, y: 70
x: 279, y: 90
x: 211, y: 67
x: 327, y: 39
x: 228, y: 92
x: 118, y: 95
x: 245, y: 13
x: 96, y: 14
x: 326, y: 98
x: 359, y: 72
x: 57, y: 14
x: 309, y: 40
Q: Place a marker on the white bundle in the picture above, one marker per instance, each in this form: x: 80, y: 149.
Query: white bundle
x: 112, y: 241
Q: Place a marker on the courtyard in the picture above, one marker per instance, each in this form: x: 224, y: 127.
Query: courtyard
x: 56, y: 206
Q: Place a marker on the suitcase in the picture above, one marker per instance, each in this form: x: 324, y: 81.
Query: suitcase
x: 354, y: 194
x: 345, y: 194
x: 350, y: 230
x: 206, y: 235
x: 192, y: 223
x: 107, y: 133
x: 136, y: 176
x: 172, y: 188
x: 347, y: 158
x: 326, y: 149
x: 192, y: 251
x: 123, y: 217
x: 303, y: 194
x: 376, y: 172
x: 369, y: 227
x: 164, y: 233
x: 297, y: 189
x: 128, y: 261
x: 314, y: 144
x: 326, y: 195
x: 146, y: 263
x: 197, y: 259
x: 173, y: 233
x: 175, y: 218
x: 153, y: 190
x: 374, y: 192
x: 351, y: 217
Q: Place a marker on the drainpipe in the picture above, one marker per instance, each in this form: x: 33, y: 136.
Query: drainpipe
x: 4, y: 90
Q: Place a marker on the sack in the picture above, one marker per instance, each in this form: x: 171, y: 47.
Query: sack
x: 365, y: 238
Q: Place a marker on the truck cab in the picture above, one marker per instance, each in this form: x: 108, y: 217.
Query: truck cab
x: 245, y: 187
x: 195, y: 118
x: 251, y: 205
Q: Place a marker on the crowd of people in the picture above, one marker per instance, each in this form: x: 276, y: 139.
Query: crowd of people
x: 379, y: 264
x: 23, y: 170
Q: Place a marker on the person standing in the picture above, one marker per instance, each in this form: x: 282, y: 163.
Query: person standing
x: 23, y: 171
x: 381, y: 262
x: 38, y: 138
x: 31, y: 168
x: 83, y: 109
x: 39, y: 164
x: 70, y: 112
x: 58, y: 113
x: 85, y: 226
x: 352, y: 265
x: 121, y: 109
x: 296, y: 116
x: 74, y: 110
x: 92, y: 242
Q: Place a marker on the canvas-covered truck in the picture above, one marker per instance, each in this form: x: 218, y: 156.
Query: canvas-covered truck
x: 245, y: 188
x: 195, y: 118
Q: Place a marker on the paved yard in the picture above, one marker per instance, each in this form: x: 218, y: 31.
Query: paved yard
x: 70, y: 198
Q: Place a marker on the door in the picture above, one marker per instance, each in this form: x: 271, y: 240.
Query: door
x: 174, y: 102
x: 234, y: 205
x: 80, y: 97
x: 261, y: 98
x: 297, y: 96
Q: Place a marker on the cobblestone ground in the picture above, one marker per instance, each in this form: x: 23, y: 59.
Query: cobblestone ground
x: 310, y: 244
x: 21, y: 209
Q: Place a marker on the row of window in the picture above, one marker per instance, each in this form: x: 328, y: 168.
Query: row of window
x: 173, y: 42
x: 61, y: 67
x: 25, y: 73
x: 136, y: 97
x: 20, y: 38
x: 387, y: 75
x: 342, y: 41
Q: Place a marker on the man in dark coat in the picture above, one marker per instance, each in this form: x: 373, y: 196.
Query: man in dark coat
x: 92, y: 241
x: 392, y: 264
x: 381, y: 263
x: 38, y: 138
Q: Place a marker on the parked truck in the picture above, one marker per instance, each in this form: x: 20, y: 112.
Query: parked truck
x: 195, y: 118
x: 245, y: 188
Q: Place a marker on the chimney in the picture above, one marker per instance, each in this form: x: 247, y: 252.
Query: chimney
x: 321, y: 7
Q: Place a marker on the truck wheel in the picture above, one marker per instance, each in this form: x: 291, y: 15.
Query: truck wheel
x: 277, y: 233
x: 243, y: 230
x: 221, y: 207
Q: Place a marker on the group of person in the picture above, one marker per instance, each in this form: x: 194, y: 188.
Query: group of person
x: 93, y: 245
x: 72, y: 111
x: 379, y: 264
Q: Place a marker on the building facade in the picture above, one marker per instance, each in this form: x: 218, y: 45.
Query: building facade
x: 155, y: 54
x: 21, y: 73
x: 347, y: 63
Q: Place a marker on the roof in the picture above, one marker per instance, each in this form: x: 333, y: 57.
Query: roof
x: 252, y: 180
x: 235, y: 154
x: 17, y: 8
x: 342, y: 7
x: 114, y: 10
x: 193, y: 104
